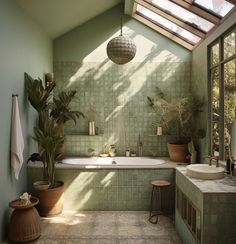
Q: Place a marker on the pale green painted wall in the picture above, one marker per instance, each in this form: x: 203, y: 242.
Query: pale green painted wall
x: 87, y: 42
x: 199, y: 76
x: 24, y: 47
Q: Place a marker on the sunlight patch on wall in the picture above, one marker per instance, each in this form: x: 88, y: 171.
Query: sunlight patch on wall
x: 99, y: 54
x: 112, y: 139
x: 77, y: 76
x: 85, y: 199
x: 83, y: 180
x: 106, y: 181
x: 147, y: 50
x: 136, y: 81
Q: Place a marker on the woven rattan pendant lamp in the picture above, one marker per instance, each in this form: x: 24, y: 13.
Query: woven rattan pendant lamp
x: 121, y: 49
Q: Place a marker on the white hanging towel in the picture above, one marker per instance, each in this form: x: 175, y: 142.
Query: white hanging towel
x: 17, y: 140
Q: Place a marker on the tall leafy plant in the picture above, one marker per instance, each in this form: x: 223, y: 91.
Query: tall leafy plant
x: 49, y: 139
x: 53, y: 113
x: 177, y: 116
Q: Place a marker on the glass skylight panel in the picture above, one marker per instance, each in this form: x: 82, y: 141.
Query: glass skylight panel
x: 220, y: 7
x: 215, y: 54
x: 230, y: 45
x: 159, y: 20
x: 182, y: 13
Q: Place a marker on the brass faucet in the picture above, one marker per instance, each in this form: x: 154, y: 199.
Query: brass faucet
x: 140, y: 146
x: 213, y: 158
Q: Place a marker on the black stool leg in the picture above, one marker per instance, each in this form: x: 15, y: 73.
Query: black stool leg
x: 151, y: 214
x: 159, y: 199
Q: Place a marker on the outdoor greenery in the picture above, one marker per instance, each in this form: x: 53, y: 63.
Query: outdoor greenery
x: 53, y: 113
x: 228, y: 71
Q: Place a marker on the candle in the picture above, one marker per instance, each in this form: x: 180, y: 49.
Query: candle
x: 159, y: 130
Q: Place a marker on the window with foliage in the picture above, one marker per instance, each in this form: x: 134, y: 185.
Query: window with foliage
x: 222, y: 91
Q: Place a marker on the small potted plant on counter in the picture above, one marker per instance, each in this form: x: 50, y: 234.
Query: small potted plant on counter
x: 53, y: 113
x: 177, y: 117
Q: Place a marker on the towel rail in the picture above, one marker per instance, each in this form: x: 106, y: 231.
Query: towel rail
x: 14, y: 95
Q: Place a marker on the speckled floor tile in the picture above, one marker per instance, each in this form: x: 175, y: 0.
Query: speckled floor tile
x: 107, y: 227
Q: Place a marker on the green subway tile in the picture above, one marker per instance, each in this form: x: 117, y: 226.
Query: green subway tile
x: 106, y: 189
x: 120, y: 117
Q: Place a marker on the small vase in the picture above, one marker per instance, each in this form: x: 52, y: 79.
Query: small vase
x: 91, y: 128
x: 193, y: 157
x: 159, y: 131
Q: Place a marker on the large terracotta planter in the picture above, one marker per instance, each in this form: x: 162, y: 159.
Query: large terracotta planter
x: 50, y: 200
x: 178, y: 152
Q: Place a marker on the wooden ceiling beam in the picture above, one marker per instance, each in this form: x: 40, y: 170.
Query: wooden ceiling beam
x: 171, y: 18
x: 189, y: 1
x: 194, y: 9
x: 232, y: 1
x: 163, y: 31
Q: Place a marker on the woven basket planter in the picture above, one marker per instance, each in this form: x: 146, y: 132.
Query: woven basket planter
x: 24, y: 225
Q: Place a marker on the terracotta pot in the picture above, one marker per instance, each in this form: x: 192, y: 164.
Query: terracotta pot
x: 178, y: 152
x: 51, y: 200
x: 41, y: 185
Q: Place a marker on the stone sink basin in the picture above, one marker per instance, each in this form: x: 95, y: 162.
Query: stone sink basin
x: 205, y: 172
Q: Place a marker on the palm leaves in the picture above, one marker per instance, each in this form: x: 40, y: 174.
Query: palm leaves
x: 49, y: 139
x: 37, y: 94
x: 51, y: 118
x: 61, y: 111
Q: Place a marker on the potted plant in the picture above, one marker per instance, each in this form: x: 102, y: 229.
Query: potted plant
x: 177, y: 117
x: 53, y: 113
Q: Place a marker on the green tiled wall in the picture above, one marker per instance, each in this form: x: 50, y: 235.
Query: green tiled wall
x: 118, y: 189
x: 116, y: 98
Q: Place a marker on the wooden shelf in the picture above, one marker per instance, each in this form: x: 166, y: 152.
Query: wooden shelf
x: 79, y: 134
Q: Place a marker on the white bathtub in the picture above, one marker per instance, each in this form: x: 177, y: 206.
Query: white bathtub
x: 114, y: 162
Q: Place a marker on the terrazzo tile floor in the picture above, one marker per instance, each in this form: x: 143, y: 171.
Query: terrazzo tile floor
x: 107, y: 227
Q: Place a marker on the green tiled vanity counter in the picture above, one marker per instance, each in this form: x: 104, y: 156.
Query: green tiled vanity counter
x: 216, y: 202
x: 108, y: 189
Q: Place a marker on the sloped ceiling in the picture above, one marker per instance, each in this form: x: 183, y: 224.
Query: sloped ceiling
x: 57, y: 17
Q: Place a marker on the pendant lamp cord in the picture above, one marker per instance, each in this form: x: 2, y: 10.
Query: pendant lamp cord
x: 121, y: 19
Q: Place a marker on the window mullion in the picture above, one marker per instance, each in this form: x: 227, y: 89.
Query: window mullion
x: 210, y: 119
x: 222, y: 89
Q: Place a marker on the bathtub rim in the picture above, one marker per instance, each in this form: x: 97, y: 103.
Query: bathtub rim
x: 168, y: 164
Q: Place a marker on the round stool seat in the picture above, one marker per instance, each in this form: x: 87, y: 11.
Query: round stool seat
x: 160, y: 183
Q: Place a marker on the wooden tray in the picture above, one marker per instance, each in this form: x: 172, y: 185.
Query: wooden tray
x: 17, y: 204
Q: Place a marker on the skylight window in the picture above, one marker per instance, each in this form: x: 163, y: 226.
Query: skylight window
x: 183, y: 14
x: 188, y: 36
x: 186, y: 22
x: 220, y: 7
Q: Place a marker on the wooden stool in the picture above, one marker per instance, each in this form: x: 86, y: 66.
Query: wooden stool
x: 24, y: 223
x: 157, y: 185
